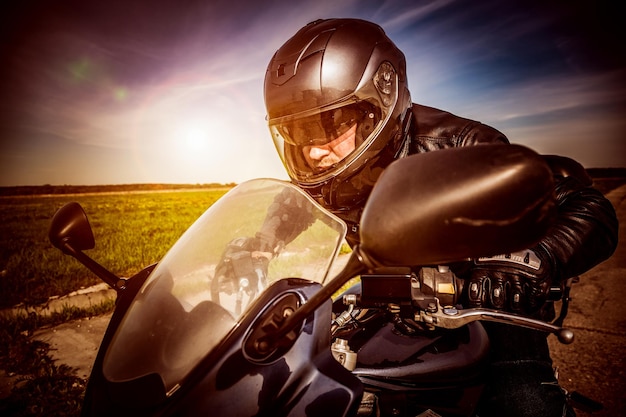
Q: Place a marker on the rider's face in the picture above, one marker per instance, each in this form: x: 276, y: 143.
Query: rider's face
x: 321, y: 157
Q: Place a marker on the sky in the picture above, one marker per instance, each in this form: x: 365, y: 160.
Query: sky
x: 171, y: 91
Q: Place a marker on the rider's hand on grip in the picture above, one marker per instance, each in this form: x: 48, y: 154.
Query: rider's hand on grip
x: 244, y: 258
x: 518, y: 282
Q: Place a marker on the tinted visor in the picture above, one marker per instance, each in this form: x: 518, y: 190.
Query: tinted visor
x: 324, y: 127
x: 296, y: 134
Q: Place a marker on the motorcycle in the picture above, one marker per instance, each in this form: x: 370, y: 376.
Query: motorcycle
x: 310, y: 330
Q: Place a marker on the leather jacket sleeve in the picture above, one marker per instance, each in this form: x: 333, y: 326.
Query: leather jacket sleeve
x: 585, y: 231
x: 284, y: 221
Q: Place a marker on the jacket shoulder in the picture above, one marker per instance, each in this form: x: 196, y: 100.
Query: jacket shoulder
x: 437, y: 129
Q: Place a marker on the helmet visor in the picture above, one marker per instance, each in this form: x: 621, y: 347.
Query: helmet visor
x: 323, y: 128
x: 315, y: 143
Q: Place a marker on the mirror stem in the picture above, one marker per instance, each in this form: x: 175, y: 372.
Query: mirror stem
x: 355, y: 266
x: 104, y: 274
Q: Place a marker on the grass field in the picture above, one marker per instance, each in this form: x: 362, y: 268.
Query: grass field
x: 132, y: 230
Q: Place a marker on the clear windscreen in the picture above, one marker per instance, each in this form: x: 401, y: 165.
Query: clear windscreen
x: 188, y: 305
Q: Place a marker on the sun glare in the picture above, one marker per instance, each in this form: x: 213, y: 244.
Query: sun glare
x: 197, y: 148
x: 196, y: 139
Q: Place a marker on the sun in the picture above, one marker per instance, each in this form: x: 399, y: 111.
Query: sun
x: 200, y: 150
x: 195, y: 139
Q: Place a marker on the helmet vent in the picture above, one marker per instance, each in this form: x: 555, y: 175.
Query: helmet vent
x: 384, y: 80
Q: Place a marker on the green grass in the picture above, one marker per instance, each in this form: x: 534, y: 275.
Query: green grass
x: 132, y: 230
x: 42, y: 387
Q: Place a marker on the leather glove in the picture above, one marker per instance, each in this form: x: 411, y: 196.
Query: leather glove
x: 518, y: 282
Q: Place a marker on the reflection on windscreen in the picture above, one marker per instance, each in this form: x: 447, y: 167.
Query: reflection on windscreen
x: 190, y: 301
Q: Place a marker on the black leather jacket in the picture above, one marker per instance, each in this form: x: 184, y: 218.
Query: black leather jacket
x: 586, y: 228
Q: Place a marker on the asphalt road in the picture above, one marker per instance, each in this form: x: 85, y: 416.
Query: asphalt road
x: 593, y: 365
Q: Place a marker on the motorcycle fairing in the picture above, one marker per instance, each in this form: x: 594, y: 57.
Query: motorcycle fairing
x: 305, y: 381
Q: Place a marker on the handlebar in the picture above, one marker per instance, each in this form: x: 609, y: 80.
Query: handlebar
x: 434, y: 287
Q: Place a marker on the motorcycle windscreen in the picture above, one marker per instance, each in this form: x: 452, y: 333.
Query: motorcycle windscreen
x: 190, y: 302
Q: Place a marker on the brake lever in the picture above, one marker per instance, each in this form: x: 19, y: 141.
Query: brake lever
x: 453, y: 318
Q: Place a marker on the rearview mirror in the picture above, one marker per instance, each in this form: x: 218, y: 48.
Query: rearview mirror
x: 70, y: 230
x: 454, y: 204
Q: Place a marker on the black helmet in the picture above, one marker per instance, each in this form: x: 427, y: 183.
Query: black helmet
x: 338, y: 108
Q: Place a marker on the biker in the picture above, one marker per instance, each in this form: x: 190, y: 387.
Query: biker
x: 339, y: 111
